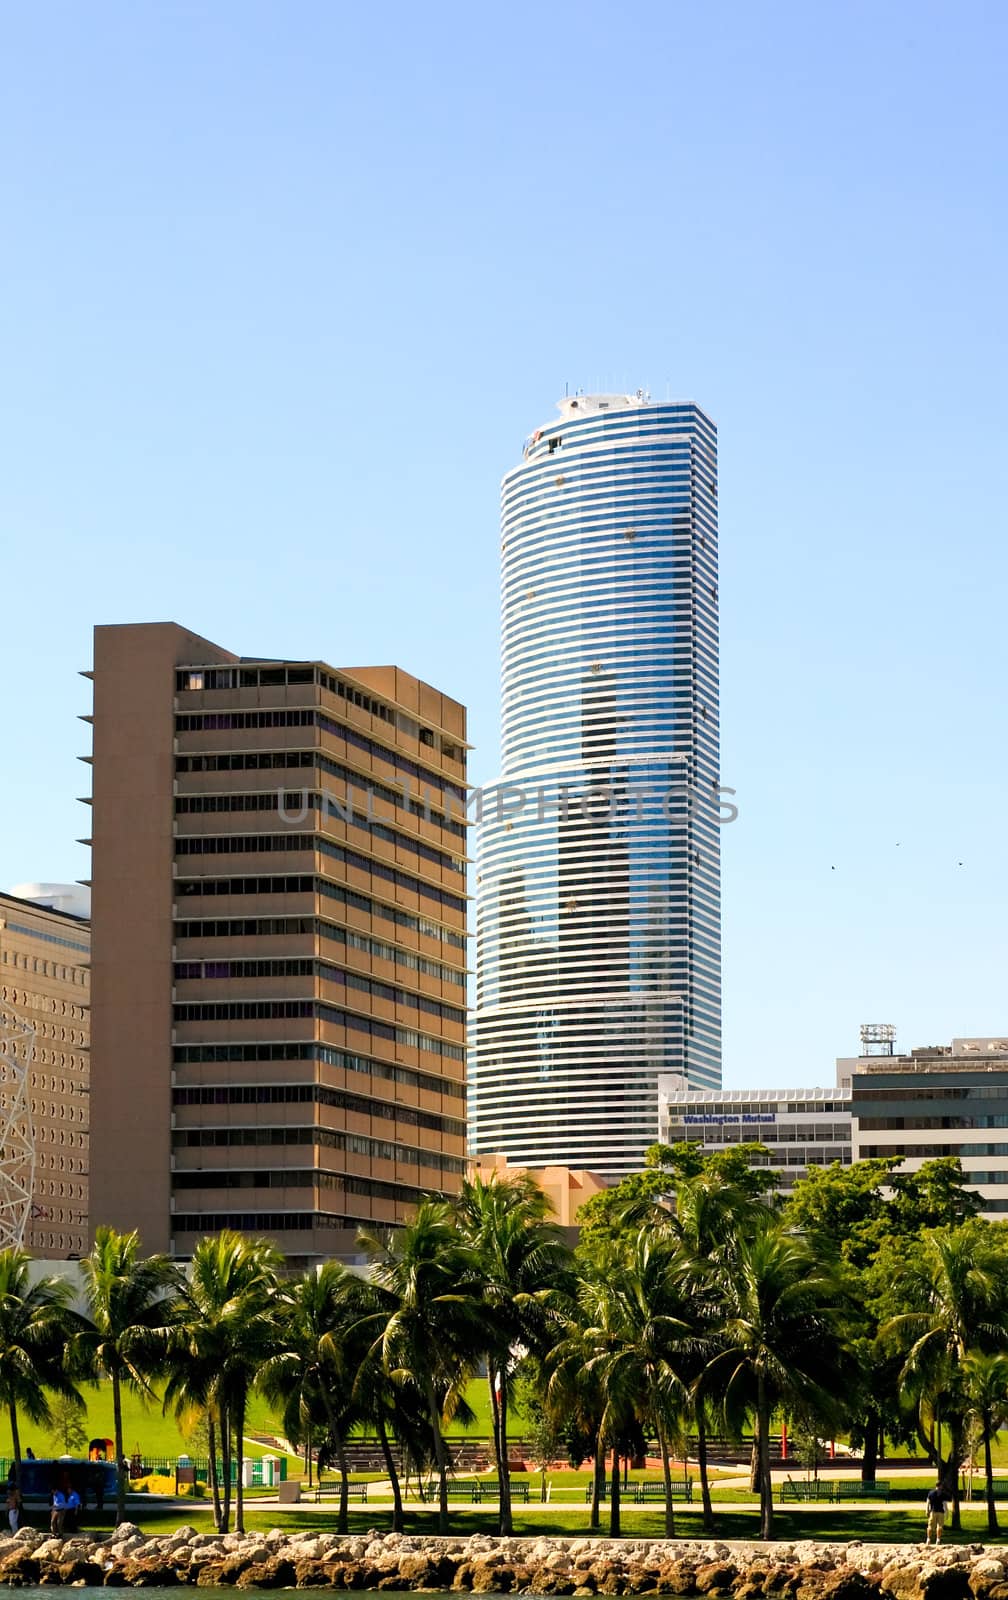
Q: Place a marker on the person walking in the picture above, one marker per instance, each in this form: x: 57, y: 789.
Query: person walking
x: 935, y: 1514
x: 13, y: 1506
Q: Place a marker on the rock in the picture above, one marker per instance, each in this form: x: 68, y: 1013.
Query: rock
x: 150, y: 1572
x: 716, y: 1578
x: 209, y: 1575
x: 125, y: 1530
x: 20, y: 1567
x: 79, y: 1571
x: 949, y: 1582
x: 311, y: 1574
x: 676, y: 1577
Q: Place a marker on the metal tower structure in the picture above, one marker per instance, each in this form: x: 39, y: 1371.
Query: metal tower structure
x: 17, y: 1131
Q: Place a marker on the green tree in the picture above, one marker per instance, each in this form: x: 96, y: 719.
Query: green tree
x: 68, y: 1424
x: 35, y: 1326
x: 133, y: 1306
x: 312, y: 1372
x: 522, y: 1269
x: 986, y: 1384
x: 947, y: 1290
x: 228, y: 1331
x: 780, y: 1339
x: 427, y: 1320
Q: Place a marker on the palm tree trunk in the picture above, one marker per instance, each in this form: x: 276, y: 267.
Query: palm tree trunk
x: 495, y: 1415
x: 117, y: 1429
x: 214, y: 1479
x: 440, y: 1455
x: 766, y: 1482
x: 988, y: 1423
x: 597, y: 1478
x: 240, y: 1460
x: 955, y: 1457
x: 15, y: 1443
x: 701, y: 1429
x: 505, y: 1467
x: 869, y: 1461
x: 754, y: 1460
x: 397, y: 1513
x: 343, y: 1520
x: 667, y: 1475
x: 614, y: 1494
x: 225, y: 1426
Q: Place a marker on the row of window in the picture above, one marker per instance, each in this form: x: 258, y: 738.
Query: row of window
x: 201, y: 679
x: 978, y: 1091
x: 269, y: 760
x: 253, y: 1010
x: 303, y: 884
x: 233, y: 721
x: 873, y: 1152
x: 289, y: 927
x: 356, y: 1144
x: 49, y: 938
x: 306, y: 967
x: 208, y: 844
x: 326, y: 1055
x: 251, y: 927
x: 264, y: 1094
x: 895, y: 1124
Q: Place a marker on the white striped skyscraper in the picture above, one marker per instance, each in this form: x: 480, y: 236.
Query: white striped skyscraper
x: 598, y: 898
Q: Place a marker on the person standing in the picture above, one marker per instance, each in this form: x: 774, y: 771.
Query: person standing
x: 935, y: 1514
x: 13, y: 1506
x: 58, y: 1514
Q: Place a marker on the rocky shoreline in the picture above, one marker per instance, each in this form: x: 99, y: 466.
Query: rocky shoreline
x: 483, y: 1564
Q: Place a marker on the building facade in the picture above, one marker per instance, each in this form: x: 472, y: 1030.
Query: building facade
x: 598, y: 887
x: 801, y: 1128
x: 279, y: 921
x: 45, y: 982
x: 940, y: 1100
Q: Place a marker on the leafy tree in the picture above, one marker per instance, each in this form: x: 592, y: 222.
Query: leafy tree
x: 521, y: 1268
x: 312, y: 1372
x: 35, y: 1325
x: 428, y: 1326
x: 68, y: 1424
x: 228, y: 1331
x: 986, y: 1386
x: 947, y: 1291
x: 780, y: 1339
x: 133, y: 1306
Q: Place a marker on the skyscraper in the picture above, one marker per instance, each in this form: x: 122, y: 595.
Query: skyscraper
x: 279, y: 925
x: 598, y: 889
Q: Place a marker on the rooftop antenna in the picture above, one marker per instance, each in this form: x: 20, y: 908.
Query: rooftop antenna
x: 877, y: 1038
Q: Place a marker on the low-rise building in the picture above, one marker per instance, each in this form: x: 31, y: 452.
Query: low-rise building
x: 939, y: 1100
x: 566, y: 1190
x: 45, y: 982
x: 801, y: 1128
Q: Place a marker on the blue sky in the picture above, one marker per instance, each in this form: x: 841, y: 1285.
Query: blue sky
x: 285, y: 287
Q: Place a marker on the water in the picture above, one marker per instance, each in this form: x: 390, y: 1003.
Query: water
x: 174, y: 1593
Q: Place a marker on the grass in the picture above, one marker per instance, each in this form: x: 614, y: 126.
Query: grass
x: 832, y: 1523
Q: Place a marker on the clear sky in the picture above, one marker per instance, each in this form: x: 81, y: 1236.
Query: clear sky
x: 284, y: 287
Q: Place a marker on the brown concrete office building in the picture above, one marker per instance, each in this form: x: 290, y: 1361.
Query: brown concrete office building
x: 45, y: 981
x: 279, y: 922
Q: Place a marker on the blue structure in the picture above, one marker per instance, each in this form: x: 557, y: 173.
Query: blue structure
x: 598, y: 889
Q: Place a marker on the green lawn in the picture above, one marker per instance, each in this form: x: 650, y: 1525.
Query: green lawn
x: 835, y: 1524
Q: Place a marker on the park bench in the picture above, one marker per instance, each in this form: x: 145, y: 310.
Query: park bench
x: 654, y: 1489
x: 329, y: 1488
x: 809, y: 1489
x: 458, y: 1489
x: 490, y: 1490
x: 854, y: 1489
x: 998, y: 1485
x: 603, y: 1492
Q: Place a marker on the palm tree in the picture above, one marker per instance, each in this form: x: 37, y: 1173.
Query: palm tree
x: 779, y: 1338
x: 133, y: 1306
x: 229, y: 1330
x: 35, y: 1326
x: 986, y: 1378
x: 522, y: 1269
x: 312, y: 1373
x: 427, y: 1328
x: 953, y: 1282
